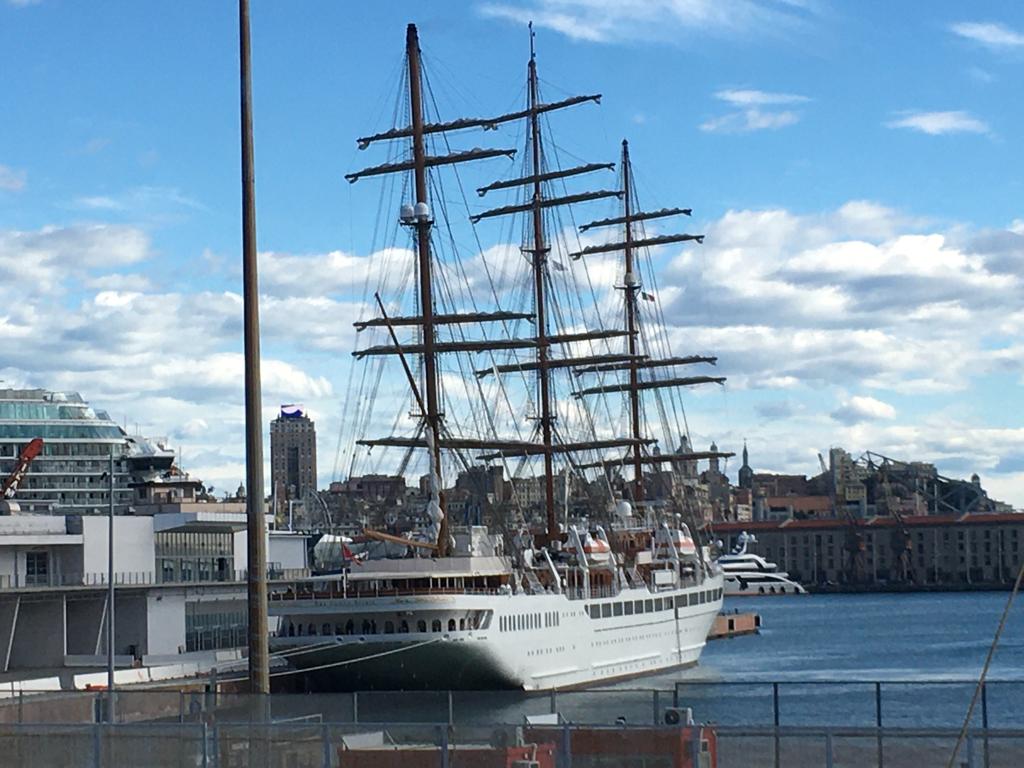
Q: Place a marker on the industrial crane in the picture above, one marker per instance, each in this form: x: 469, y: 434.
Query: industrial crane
x: 11, y: 482
x: 902, y: 545
x: 854, y: 544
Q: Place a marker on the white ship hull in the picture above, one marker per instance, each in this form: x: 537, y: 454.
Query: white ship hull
x: 534, y: 642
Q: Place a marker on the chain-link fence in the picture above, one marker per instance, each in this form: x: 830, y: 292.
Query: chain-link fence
x: 564, y: 745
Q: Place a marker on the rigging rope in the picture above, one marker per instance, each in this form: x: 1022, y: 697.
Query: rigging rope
x: 984, y: 669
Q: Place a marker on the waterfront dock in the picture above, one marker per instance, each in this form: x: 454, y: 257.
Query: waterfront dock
x: 735, y: 625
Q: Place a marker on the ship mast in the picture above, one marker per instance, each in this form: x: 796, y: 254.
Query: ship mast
x: 540, y: 254
x: 631, y: 285
x: 422, y: 223
x: 636, y: 360
x: 435, y: 435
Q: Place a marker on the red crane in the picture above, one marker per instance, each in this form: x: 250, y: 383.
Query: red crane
x: 29, y: 452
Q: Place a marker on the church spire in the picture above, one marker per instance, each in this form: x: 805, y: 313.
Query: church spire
x: 746, y: 479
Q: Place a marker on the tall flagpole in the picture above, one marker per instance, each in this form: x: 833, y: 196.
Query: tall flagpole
x: 259, y: 668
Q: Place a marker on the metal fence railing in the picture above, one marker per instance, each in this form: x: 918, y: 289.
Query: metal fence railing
x: 141, y: 578
x: 865, y: 704
x: 882, y: 704
x: 305, y: 744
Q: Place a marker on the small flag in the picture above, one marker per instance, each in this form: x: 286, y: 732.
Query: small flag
x: 647, y: 296
x: 349, y: 555
x: 558, y: 265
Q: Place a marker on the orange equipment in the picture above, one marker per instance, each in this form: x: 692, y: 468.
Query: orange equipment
x: 29, y: 452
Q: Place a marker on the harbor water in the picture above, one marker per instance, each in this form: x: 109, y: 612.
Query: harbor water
x: 910, y: 660
x: 827, y: 652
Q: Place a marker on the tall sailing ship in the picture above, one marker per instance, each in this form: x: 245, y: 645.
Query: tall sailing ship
x: 623, y: 590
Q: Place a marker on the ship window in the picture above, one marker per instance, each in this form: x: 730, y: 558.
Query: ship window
x: 350, y: 627
x: 649, y: 606
x: 312, y: 629
x: 403, y: 627
x: 435, y: 625
x: 680, y: 601
x: 325, y: 629
x: 606, y: 610
x: 389, y: 627
x: 703, y: 597
x: 617, y: 609
x: 595, y: 611
x: 462, y: 624
x: 451, y: 625
x: 639, y: 605
x: 421, y: 626
x: 629, y: 608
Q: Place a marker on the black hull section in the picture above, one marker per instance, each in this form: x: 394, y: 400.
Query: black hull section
x: 444, y: 666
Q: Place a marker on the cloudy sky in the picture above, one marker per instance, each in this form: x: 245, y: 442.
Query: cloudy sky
x: 854, y: 166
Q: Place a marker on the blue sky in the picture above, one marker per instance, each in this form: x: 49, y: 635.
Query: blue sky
x: 855, y: 167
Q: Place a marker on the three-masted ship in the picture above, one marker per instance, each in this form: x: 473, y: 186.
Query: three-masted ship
x: 569, y: 602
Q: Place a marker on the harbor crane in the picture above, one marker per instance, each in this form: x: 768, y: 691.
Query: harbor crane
x: 13, y: 480
x: 901, y: 543
x: 854, y: 543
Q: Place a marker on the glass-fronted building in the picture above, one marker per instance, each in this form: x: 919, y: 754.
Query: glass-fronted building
x: 69, y: 476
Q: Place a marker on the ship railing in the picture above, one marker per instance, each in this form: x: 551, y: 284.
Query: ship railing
x: 337, y: 591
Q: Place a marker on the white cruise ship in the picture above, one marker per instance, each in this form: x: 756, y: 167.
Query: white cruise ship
x: 539, y: 620
x: 506, y: 362
x: 749, y: 574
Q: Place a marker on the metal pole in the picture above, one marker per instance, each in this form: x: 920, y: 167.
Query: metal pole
x: 259, y: 670
x: 110, y: 594
x: 775, y: 713
x: 878, y: 721
x: 984, y: 722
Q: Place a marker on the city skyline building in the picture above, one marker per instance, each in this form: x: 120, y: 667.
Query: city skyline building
x: 292, y: 457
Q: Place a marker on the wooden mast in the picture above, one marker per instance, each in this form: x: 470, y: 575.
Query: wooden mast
x: 540, y: 252
x: 433, y: 416
x: 632, y: 285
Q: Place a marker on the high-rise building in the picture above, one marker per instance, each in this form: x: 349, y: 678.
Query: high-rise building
x: 292, y: 455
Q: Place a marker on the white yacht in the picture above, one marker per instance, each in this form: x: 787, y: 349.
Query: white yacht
x: 594, y: 608
x: 749, y: 574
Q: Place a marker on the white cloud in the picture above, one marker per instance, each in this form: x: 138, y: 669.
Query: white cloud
x: 41, y: 261
x: 741, y: 97
x: 991, y: 34
x: 612, y: 21
x: 144, y: 201
x: 940, y: 123
x: 751, y: 114
x: 860, y: 408
x: 99, y: 203
x: 12, y: 179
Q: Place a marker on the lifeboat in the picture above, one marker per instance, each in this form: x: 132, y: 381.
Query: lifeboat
x: 595, y: 550
x: 680, y: 540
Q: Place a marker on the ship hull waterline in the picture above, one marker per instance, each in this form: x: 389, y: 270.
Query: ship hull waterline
x: 581, y: 652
